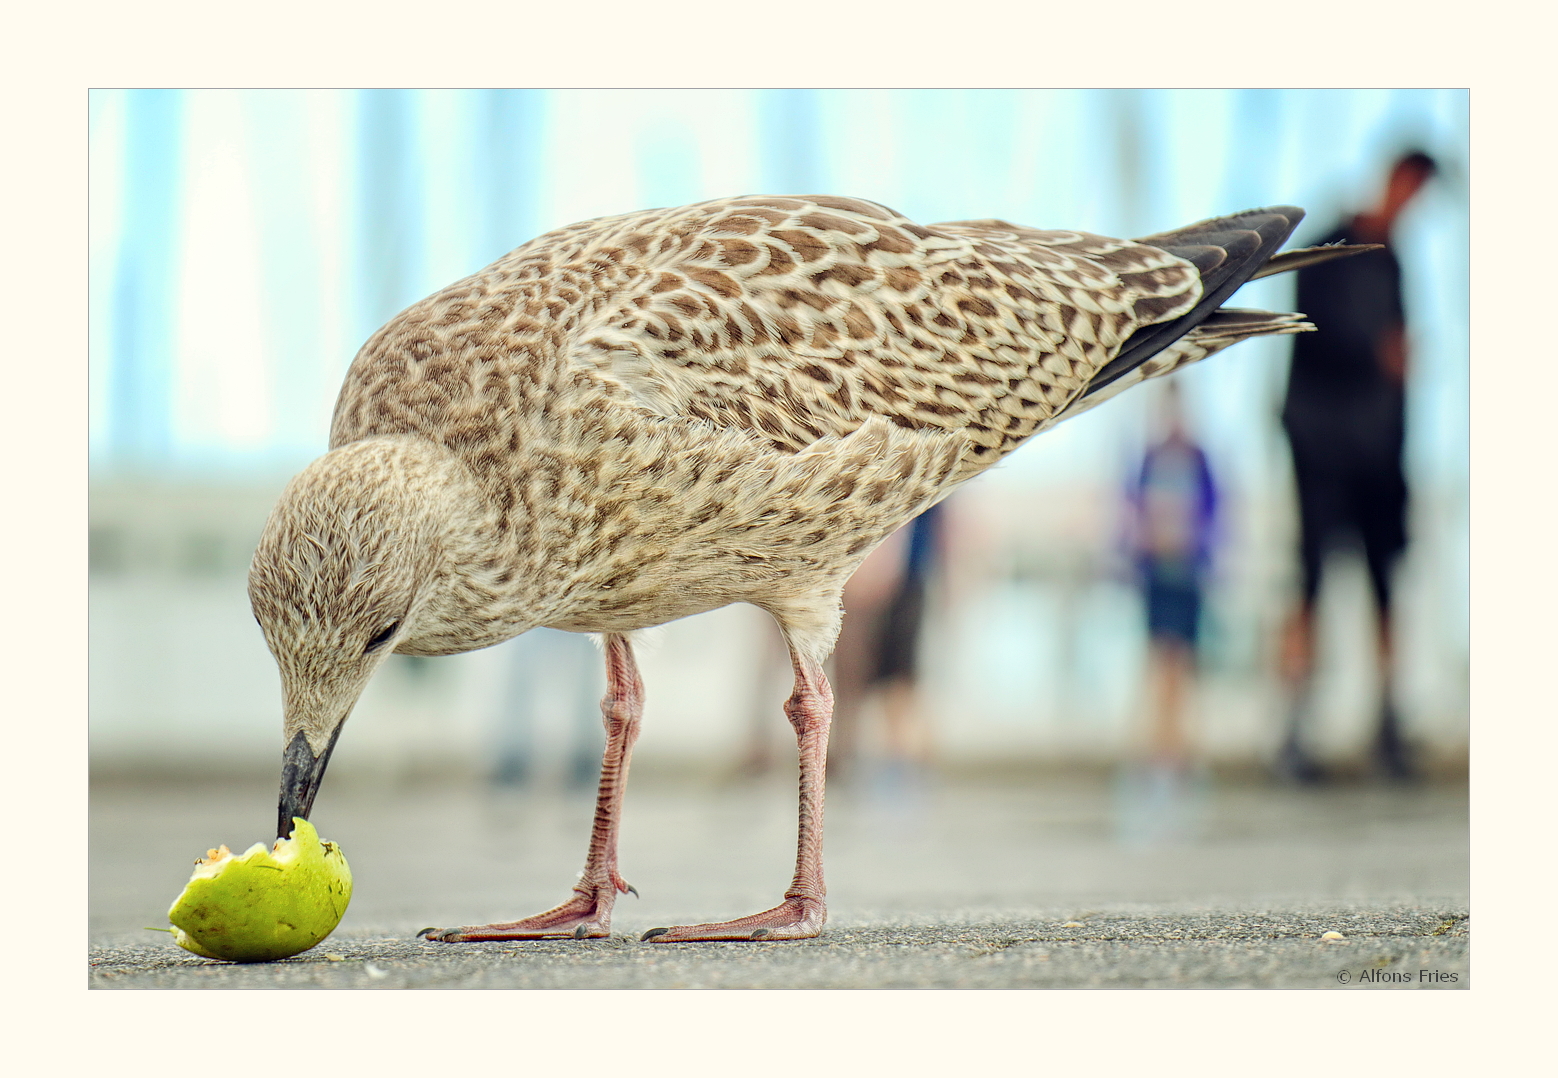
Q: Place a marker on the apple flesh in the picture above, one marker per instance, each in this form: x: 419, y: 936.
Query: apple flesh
x: 263, y: 905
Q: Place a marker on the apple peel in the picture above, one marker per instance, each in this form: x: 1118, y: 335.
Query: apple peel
x: 263, y: 904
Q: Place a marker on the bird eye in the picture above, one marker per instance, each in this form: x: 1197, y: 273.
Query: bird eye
x: 383, y: 638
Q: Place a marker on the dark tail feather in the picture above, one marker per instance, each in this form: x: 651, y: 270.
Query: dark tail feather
x: 1247, y: 241
x: 1312, y: 256
x: 1227, y: 252
x: 1237, y: 323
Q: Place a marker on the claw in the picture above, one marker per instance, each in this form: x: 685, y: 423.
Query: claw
x: 580, y: 932
x: 652, y: 933
x: 760, y: 933
x: 632, y: 890
x: 425, y: 931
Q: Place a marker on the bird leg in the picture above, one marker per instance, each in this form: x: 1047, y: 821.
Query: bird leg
x: 587, y: 915
x: 804, y: 910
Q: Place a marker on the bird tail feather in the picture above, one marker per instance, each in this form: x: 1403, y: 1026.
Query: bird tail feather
x: 1227, y: 252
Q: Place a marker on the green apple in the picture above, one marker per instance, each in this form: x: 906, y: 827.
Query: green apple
x: 263, y: 905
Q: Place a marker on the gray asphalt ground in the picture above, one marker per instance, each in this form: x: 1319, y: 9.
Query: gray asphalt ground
x: 971, y: 883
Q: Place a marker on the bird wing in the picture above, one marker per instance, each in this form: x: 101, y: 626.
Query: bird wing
x: 795, y: 318
x: 760, y: 389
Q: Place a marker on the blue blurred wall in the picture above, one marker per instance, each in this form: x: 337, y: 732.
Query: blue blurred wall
x: 243, y: 244
x: 368, y: 200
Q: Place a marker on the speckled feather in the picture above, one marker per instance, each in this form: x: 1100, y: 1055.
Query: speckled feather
x: 638, y: 418
x: 784, y: 318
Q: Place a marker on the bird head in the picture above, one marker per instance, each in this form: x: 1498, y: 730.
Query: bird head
x: 343, y: 568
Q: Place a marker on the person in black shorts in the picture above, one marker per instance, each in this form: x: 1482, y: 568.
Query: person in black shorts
x: 1345, y: 420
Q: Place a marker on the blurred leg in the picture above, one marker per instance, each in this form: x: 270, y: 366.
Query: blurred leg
x: 1322, y: 507
x: 855, y: 660
x: 587, y: 915
x: 587, y: 751
x: 1298, y: 643
x: 1390, y: 749
x: 1383, y: 538
x: 1157, y: 797
x: 1298, y: 648
x: 758, y: 756
x: 908, y: 741
x: 1172, y: 668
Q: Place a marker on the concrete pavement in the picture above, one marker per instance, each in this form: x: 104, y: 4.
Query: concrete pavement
x: 973, y: 883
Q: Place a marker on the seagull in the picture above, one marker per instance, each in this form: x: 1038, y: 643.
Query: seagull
x: 639, y: 418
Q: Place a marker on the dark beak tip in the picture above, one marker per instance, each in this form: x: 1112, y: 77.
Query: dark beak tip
x: 301, y: 772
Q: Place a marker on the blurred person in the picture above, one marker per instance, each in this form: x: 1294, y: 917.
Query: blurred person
x: 877, y: 656
x: 1345, y: 420
x: 1170, y: 522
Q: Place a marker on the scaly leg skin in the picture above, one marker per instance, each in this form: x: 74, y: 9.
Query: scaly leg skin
x: 804, y: 910
x: 587, y: 915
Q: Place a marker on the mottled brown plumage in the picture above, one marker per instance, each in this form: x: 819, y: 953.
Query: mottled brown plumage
x: 643, y: 417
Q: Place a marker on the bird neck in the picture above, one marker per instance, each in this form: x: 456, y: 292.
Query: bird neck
x: 469, y: 594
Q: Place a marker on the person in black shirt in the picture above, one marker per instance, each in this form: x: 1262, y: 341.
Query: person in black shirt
x: 1344, y: 418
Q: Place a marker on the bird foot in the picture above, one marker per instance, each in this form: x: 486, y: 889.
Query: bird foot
x: 793, y: 919
x: 587, y: 915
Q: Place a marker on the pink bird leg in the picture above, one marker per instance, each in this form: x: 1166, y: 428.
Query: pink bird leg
x: 804, y: 910
x: 587, y: 915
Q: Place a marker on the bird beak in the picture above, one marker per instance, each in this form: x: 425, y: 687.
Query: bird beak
x: 301, y: 772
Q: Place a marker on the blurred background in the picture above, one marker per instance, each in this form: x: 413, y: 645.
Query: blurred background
x: 245, y: 243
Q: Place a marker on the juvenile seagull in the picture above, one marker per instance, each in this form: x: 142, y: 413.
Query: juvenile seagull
x: 634, y: 419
